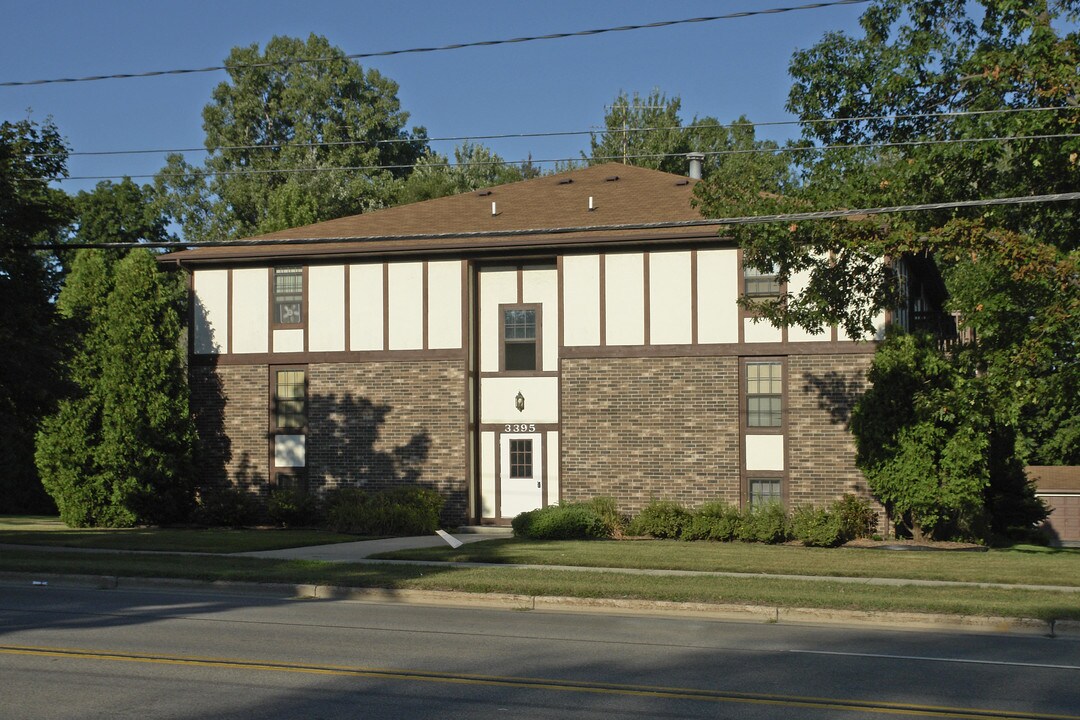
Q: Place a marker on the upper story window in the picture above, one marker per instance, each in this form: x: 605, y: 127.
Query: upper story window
x: 759, y: 283
x: 764, y: 394
x: 288, y: 295
x: 519, y: 335
x: 290, y: 399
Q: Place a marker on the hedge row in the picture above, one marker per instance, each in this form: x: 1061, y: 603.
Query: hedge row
x: 846, y: 519
x: 397, y: 511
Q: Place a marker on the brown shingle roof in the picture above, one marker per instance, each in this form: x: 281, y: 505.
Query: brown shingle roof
x: 1055, y: 478
x: 621, y: 195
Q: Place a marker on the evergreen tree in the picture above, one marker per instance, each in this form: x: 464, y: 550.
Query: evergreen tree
x: 118, y: 452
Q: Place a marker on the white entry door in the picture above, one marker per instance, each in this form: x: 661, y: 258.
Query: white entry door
x: 520, y: 473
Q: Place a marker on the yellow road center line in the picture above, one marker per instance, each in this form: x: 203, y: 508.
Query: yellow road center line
x: 524, y: 683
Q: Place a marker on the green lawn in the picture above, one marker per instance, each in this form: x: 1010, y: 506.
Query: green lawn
x: 39, y: 530
x: 1021, y: 565
x: 772, y: 592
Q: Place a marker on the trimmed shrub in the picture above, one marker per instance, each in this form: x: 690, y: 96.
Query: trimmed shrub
x: 577, y: 521
x: 715, y: 520
x: 291, y: 507
x: 766, y: 523
x: 396, y: 511
x: 855, y: 517
x: 816, y: 527
x: 227, y: 507
x: 660, y: 519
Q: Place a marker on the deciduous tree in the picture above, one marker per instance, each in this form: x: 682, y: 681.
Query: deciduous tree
x: 279, y: 132
x: 31, y: 212
x: 938, y: 102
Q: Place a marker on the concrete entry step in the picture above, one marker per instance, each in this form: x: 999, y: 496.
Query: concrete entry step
x: 496, y: 530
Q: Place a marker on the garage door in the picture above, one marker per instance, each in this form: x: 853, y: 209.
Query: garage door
x: 1064, y: 520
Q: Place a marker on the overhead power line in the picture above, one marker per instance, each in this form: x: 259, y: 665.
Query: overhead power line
x: 705, y: 222
x: 559, y: 133
x: 533, y: 161
x: 454, y: 46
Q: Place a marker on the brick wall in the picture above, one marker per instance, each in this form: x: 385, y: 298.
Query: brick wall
x: 381, y: 424
x: 230, y: 407
x: 821, y: 392
x: 373, y: 424
x: 638, y: 429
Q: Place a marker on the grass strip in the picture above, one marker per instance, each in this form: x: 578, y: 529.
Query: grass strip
x: 1020, y: 565
x: 1045, y: 605
x: 36, y: 530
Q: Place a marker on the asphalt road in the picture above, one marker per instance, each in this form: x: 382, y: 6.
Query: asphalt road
x: 70, y: 653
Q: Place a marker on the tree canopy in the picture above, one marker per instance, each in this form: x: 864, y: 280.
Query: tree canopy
x: 473, y: 167
x: 31, y: 212
x: 649, y: 132
x: 276, y: 131
x: 938, y: 102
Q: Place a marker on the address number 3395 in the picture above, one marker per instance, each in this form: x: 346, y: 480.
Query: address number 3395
x: 531, y: 427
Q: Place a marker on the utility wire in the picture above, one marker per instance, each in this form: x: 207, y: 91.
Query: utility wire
x: 558, y: 133
x: 532, y: 161
x: 705, y: 222
x: 454, y: 46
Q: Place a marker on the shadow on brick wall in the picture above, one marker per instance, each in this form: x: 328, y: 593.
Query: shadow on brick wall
x: 836, y: 393
x: 354, y: 442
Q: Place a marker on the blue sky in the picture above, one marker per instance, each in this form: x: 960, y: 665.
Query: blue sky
x: 723, y: 68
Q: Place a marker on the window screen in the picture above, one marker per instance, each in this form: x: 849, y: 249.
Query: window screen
x: 288, y: 295
x: 290, y: 399
x: 764, y: 490
x: 759, y: 283
x: 519, y: 339
x: 764, y: 394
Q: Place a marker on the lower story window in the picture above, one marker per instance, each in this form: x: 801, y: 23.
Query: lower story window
x: 764, y: 491
x: 521, y: 460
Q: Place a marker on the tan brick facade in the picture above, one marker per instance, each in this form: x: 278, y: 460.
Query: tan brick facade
x: 372, y: 424
x: 381, y: 424
x: 638, y: 429
x: 230, y: 403
x: 821, y: 391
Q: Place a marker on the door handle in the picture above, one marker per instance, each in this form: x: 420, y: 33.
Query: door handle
x: 537, y: 485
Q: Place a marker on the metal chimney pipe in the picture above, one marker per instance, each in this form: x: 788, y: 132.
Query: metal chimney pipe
x: 696, y: 159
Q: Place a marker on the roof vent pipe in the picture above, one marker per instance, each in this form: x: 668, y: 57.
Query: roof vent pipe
x: 696, y: 159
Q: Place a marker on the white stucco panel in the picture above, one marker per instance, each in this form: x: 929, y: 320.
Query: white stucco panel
x: 406, y: 306
x: 289, y: 341
x: 552, y: 468
x: 444, y: 305
x: 761, y: 331
x: 798, y: 283
x: 718, y: 294
x: 366, y: 307
x: 498, y: 396
x: 290, y: 451
x: 251, y: 310
x: 487, y: 474
x: 541, y: 285
x: 581, y: 300
x: 211, y: 289
x: 326, y: 311
x: 624, y: 299
x: 669, y: 298
x: 497, y: 286
x: 765, y: 452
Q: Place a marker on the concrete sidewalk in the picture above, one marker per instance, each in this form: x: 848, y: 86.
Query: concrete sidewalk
x: 354, y: 551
